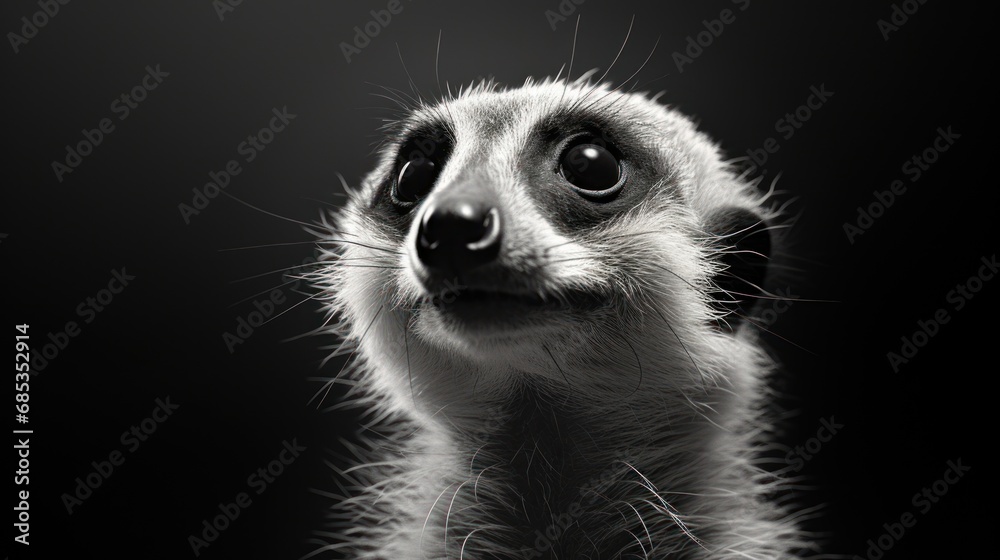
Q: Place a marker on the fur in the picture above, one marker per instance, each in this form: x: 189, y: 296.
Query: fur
x: 627, y: 429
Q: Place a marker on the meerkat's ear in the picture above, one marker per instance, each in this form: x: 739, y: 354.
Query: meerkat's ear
x: 743, y: 244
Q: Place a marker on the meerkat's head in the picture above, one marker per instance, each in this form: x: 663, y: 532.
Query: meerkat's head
x: 564, y: 234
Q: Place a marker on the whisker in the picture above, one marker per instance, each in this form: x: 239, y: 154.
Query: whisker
x: 258, y: 294
x: 406, y: 346
x: 447, y: 515
x: 637, y: 361
x: 407, y: 102
x: 268, y: 245
x: 613, y: 62
x: 343, y: 183
x: 285, y: 269
x: 362, y: 258
x: 359, y: 244
x: 572, y: 57
x: 772, y: 333
x: 549, y: 352
x: 627, y: 80
x: 334, y: 379
x: 383, y: 267
x: 607, y: 238
x: 437, y: 63
x: 646, y: 83
x: 322, y: 329
x: 430, y: 512
x: 685, y: 348
x: 413, y: 85
x: 265, y: 211
x: 310, y: 298
x: 678, y: 276
x: 393, y: 99
x: 775, y: 297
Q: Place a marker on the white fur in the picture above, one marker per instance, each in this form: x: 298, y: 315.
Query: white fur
x: 658, y: 411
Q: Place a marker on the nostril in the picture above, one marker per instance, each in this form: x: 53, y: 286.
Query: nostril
x: 489, y: 232
x: 459, y: 233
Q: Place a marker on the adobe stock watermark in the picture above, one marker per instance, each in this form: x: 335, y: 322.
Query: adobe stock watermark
x: 958, y: 297
x: 264, y: 309
x: 797, y: 456
x: 696, y: 44
x: 31, y: 25
x: 898, y: 16
x: 363, y: 34
x: 22, y: 479
x: 447, y: 294
x: 422, y: 149
x: 590, y: 493
x: 131, y: 439
x: 563, y: 11
x: 258, y: 481
x: 122, y: 106
x: 780, y: 302
x: 249, y: 148
x: 87, y: 311
x: 223, y: 7
x: 787, y: 126
x: 913, y: 169
x: 923, y: 501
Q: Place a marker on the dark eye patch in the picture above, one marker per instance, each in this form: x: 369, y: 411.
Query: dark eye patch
x: 418, y: 164
x: 621, y: 151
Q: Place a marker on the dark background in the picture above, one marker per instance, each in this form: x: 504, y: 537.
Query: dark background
x: 162, y: 336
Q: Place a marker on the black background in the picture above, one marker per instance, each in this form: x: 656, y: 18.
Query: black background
x: 163, y: 334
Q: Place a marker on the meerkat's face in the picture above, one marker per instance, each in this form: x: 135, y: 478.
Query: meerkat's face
x: 553, y: 217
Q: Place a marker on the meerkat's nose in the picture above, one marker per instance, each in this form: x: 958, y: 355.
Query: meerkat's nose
x: 459, y: 232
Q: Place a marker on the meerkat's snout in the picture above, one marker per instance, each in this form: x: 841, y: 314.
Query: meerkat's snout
x: 459, y: 231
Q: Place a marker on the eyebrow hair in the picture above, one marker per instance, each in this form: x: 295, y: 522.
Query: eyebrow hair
x: 566, y: 120
x: 568, y: 117
x: 400, y: 130
x: 397, y: 134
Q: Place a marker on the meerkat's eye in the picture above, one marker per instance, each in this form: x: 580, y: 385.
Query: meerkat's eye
x: 415, y: 179
x: 422, y: 160
x: 592, y: 169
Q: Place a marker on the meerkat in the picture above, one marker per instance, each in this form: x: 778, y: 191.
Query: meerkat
x: 546, y: 292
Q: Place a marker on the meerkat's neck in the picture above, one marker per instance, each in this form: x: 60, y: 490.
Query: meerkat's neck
x: 540, y: 463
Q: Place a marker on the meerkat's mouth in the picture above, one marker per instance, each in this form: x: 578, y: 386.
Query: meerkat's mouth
x: 482, y: 296
x: 508, y: 309
x: 467, y: 300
